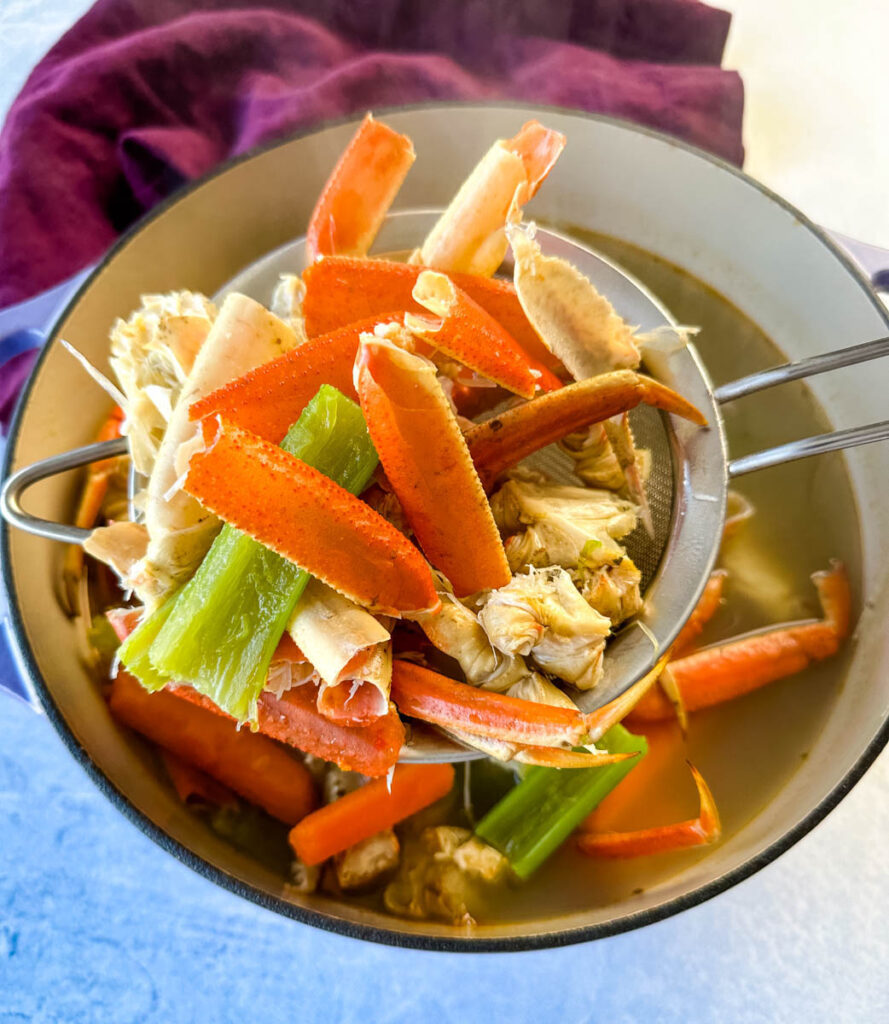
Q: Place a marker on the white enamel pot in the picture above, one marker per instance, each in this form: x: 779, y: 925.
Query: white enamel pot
x: 636, y: 185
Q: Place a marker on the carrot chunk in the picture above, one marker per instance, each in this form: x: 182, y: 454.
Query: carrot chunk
x: 248, y: 763
x: 370, y: 809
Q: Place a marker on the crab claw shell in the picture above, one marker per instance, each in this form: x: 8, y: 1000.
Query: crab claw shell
x: 470, y: 235
x: 269, y: 399
x: 340, y: 290
x: 428, y: 466
x: 501, y: 442
x: 700, y: 831
x: 307, y: 518
x: 434, y: 698
x: 469, y: 334
x: 359, y: 191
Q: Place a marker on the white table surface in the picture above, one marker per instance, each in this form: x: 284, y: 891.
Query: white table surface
x: 96, y: 923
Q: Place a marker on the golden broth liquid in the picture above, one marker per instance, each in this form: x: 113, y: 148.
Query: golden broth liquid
x: 805, y: 516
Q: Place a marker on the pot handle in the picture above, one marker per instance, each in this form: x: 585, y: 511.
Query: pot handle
x: 23, y: 327
x: 871, y: 258
x: 14, y: 680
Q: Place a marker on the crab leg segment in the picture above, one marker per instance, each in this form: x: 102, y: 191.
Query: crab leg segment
x: 294, y: 718
x: 270, y: 398
x: 423, y: 452
x: 340, y: 291
x: 725, y: 671
x: 704, y: 829
x: 359, y: 192
x: 505, y: 440
x: 559, y: 757
x: 304, y: 516
x: 431, y: 697
x: 469, y: 334
x: 470, y: 235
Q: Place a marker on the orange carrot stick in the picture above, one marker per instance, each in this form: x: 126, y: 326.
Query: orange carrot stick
x: 269, y: 399
x: 704, y: 829
x: 250, y: 764
x: 422, y: 450
x: 372, y: 808
x: 359, y: 191
x: 191, y: 783
x: 304, y: 516
x: 340, y: 291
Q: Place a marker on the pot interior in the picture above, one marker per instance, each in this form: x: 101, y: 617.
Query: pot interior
x: 656, y: 207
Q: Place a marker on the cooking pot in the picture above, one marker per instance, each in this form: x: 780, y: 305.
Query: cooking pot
x: 644, y: 188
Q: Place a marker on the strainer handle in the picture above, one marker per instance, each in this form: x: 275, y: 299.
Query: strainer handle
x: 838, y: 440
x: 18, y: 483
x: 802, y: 368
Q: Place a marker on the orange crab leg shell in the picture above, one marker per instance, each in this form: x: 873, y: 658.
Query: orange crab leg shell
x: 700, y: 831
x: 501, y: 442
x: 340, y: 290
x: 294, y: 719
x: 307, y: 518
x: 269, y: 399
x: 428, y: 466
x: 559, y: 757
x: 468, y: 334
x: 538, y: 147
x: 424, y: 694
x: 359, y: 191
x: 723, y: 672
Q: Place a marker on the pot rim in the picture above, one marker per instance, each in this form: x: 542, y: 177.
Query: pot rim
x: 24, y: 654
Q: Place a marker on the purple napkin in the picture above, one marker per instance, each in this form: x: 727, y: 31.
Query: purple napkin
x: 141, y: 95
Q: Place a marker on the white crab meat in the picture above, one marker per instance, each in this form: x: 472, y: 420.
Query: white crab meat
x: 456, y: 631
x: 442, y: 874
x: 365, y: 862
x: 243, y: 336
x: 612, y: 589
x: 152, y: 353
x: 541, y: 614
x: 556, y: 524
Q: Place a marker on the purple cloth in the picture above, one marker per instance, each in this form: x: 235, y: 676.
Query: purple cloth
x: 141, y: 95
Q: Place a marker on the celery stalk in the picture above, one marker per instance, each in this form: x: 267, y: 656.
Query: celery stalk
x: 536, y: 817
x: 227, y: 620
x: 133, y: 652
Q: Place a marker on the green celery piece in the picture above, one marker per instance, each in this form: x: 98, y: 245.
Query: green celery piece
x: 133, y: 652
x: 227, y: 620
x: 534, y: 819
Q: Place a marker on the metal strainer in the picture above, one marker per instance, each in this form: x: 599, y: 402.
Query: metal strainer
x: 687, y: 486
